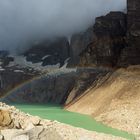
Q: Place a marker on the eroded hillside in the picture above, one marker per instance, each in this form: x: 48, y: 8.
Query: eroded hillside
x: 116, y: 102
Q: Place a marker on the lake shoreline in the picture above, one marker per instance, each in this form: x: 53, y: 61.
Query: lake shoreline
x: 55, y: 112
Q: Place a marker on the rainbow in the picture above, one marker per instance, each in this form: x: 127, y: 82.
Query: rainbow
x: 21, y: 86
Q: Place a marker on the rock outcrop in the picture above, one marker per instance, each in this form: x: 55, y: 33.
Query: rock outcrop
x: 5, y: 59
x: 11, y: 77
x: 49, y: 52
x: 52, y: 88
x: 86, y: 79
x: 131, y: 53
x: 5, y: 119
x: 59, y: 87
x: 133, y: 7
x: 78, y: 43
x: 109, y: 38
x: 116, y: 39
x: 13, y: 74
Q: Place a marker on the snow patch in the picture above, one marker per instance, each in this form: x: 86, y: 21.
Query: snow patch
x: 2, y: 69
x: 21, y: 62
x: 19, y: 71
x: 46, y: 56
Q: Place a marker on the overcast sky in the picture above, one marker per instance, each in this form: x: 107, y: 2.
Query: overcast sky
x: 23, y: 20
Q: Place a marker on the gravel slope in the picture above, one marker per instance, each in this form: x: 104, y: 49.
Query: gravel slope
x: 116, y: 102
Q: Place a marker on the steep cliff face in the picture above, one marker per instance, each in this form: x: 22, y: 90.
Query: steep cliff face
x: 46, y: 89
x: 116, y: 39
x: 78, y: 43
x: 60, y: 87
x: 133, y: 11
x: 11, y: 74
x: 5, y: 59
x: 109, y: 34
x: 131, y: 54
x: 49, y: 52
x: 11, y: 78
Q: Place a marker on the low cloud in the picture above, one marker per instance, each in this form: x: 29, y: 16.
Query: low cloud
x: 23, y: 21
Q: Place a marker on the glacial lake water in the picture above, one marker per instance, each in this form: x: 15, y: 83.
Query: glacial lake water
x: 52, y: 112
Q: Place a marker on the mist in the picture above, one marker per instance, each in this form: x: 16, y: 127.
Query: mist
x: 25, y: 21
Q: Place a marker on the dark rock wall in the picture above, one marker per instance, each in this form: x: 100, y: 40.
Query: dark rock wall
x: 46, y: 89
x: 58, y: 88
x: 109, y: 34
x: 10, y: 79
x: 131, y: 54
x: 58, y: 50
x: 78, y: 43
x: 116, y: 39
x: 133, y: 11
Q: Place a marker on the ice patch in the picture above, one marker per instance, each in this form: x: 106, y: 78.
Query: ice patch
x: 2, y: 69
x: 21, y: 62
x: 19, y: 71
x: 46, y: 56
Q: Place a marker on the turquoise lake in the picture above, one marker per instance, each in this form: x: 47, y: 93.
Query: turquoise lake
x: 52, y: 112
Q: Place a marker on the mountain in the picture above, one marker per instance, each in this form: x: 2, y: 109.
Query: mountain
x: 49, y: 52
x: 112, y: 42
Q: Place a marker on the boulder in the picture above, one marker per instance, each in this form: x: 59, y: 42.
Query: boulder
x: 21, y: 137
x: 14, y: 134
x: 5, y: 119
x: 35, y: 120
x: 1, y: 137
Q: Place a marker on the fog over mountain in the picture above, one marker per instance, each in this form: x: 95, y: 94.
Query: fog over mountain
x: 23, y: 21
